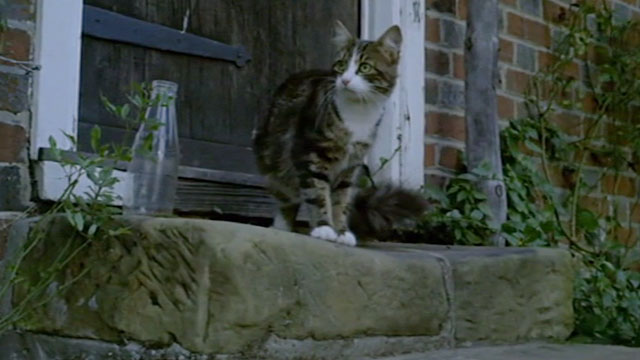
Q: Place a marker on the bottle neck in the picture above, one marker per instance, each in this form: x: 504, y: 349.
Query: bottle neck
x: 164, y: 89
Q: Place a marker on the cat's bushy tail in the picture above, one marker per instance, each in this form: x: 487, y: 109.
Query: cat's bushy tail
x: 376, y: 212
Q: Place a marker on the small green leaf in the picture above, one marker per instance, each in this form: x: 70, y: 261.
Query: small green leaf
x: 79, y: 221
x: 71, y: 138
x: 468, y: 177
x: 533, y: 146
x: 92, y: 229
x: 124, y: 111
x: 52, y: 142
x: 96, y: 135
x: 477, y: 214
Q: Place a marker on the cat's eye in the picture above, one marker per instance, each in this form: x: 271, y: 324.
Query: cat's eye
x: 340, y: 66
x: 365, y: 68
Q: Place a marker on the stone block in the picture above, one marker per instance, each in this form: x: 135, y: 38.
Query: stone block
x: 13, y: 144
x: 452, y: 95
x: 16, y: 45
x: 432, y: 29
x: 217, y: 287
x: 451, y: 158
x: 446, y: 125
x: 512, y: 296
x: 524, y: 28
x: 526, y: 57
x: 517, y: 81
x: 14, y: 96
x: 7, y: 218
x: 219, y: 290
x: 438, y: 61
x: 506, y: 50
x: 531, y: 7
x: 452, y: 33
x: 432, y: 92
x: 19, y: 9
x: 15, y: 188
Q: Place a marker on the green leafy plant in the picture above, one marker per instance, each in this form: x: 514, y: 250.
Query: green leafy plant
x: 566, y: 165
x: 89, y: 210
x: 460, y: 211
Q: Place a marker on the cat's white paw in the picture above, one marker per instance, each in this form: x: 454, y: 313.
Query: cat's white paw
x: 324, y: 232
x: 347, y: 238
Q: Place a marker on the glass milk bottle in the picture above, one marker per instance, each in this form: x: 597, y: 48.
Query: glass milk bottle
x: 152, y: 174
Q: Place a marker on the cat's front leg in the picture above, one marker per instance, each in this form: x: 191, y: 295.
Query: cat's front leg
x: 315, y: 193
x: 341, y: 199
x: 342, y: 191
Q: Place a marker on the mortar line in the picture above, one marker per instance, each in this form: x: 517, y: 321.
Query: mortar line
x: 447, y: 279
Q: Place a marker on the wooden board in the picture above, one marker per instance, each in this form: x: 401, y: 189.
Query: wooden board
x: 108, y: 25
x: 224, y: 157
x: 212, y: 192
x: 218, y: 102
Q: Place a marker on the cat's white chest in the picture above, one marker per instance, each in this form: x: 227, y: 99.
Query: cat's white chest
x: 360, y: 118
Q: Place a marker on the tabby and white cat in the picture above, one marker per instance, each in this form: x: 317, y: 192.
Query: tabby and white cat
x: 313, y: 143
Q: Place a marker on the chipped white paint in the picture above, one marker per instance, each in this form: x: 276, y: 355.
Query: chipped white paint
x: 56, y: 181
x: 57, y: 83
x: 401, y: 133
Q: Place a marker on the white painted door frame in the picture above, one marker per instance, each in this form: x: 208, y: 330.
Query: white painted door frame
x: 57, y: 83
x: 57, y: 88
x: 401, y: 133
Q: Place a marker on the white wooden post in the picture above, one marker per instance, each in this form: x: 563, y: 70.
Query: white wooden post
x: 57, y: 84
x: 56, y: 89
x: 402, y: 127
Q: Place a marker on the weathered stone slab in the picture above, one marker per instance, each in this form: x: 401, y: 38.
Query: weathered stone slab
x: 239, y: 291
x: 218, y: 287
x: 512, y: 297
x: 506, y: 295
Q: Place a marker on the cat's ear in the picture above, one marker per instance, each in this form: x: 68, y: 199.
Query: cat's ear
x: 341, y: 35
x: 392, y: 39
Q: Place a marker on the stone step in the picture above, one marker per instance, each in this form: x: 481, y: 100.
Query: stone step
x: 534, y: 351
x: 214, y: 287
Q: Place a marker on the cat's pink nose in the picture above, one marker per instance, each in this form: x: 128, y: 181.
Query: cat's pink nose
x: 346, y: 81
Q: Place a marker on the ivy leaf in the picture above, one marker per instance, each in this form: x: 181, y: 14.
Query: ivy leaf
x: 477, y: 214
x: 467, y: 177
x: 486, y: 210
x: 587, y: 220
x: 532, y: 146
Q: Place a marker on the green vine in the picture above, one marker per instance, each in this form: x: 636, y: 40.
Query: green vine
x: 571, y: 171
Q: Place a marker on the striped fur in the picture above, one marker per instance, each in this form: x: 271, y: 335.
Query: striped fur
x: 319, y: 129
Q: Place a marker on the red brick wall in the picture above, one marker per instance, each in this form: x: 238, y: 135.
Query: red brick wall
x: 16, y: 51
x: 527, y: 29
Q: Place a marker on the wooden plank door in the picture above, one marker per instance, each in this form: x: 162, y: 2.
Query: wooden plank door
x: 218, y: 103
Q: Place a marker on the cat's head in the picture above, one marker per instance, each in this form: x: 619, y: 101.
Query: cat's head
x: 366, y: 70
